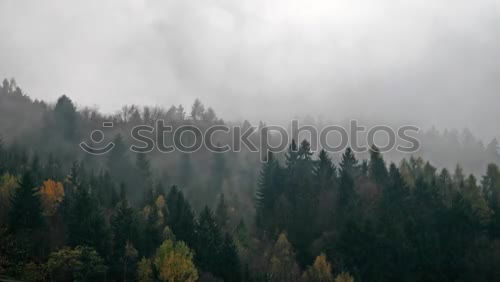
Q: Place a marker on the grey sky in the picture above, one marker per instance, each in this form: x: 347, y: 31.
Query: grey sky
x: 431, y: 62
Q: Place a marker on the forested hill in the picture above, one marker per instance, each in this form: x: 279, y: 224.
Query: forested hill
x: 299, y: 216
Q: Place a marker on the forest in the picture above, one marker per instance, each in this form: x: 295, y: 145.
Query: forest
x: 66, y: 215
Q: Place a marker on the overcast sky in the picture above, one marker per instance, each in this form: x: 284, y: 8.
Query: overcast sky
x: 431, y: 62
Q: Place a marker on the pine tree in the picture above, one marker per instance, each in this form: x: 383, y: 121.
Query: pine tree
x: 221, y: 213
x: 377, y: 169
x: 26, y: 207
x: 180, y: 217
x: 324, y: 172
x: 153, y: 230
x: 230, y: 262
x: 66, y: 117
x: 218, y: 175
x: 349, y: 164
x: 292, y: 155
x: 125, y: 236
x: 197, y: 110
x: 186, y: 171
x: 346, y: 195
x: 85, y: 222
x: 209, y: 243
x: 269, y: 189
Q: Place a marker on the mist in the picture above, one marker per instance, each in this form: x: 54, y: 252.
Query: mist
x: 413, y: 61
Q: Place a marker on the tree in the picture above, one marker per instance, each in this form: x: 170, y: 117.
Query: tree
x: 197, y: 110
x: 269, y: 189
x: 218, y: 174
x: 209, y: 242
x: 26, y: 207
x: 349, y: 164
x: 209, y: 115
x: 221, y: 215
x: 320, y: 271
x: 324, y: 172
x: 52, y: 194
x: 174, y: 261
x: 66, y: 117
x: 377, y: 169
x: 491, y: 190
x: 180, y: 217
x: 186, y: 171
x: 344, y: 277
x: 153, y: 230
x: 85, y: 222
x: 8, y: 185
x: 125, y: 236
x: 145, y: 270
x: 281, y: 261
x: 230, y: 261
x: 81, y: 263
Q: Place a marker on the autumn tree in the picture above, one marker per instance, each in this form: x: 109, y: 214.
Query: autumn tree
x: 281, y: 261
x: 52, y: 194
x: 320, y: 271
x: 174, y: 262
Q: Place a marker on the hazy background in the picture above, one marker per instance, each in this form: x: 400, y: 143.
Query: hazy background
x: 428, y: 62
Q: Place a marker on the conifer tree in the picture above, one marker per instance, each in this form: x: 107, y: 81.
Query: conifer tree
x: 377, y: 169
x: 26, y: 207
x: 125, y: 238
x: 221, y: 213
x: 230, y: 262
x: 269, y: 189
x: 85, y: 222
x: 209, y: 243
x: 180, y: 217
x: 324, y: 172
x: 349, y: 163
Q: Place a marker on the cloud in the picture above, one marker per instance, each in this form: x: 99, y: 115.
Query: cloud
x: 431, y: 62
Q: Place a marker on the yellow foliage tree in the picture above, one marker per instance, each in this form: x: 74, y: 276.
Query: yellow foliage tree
x: 174, y: 261
x: 8, y: 184
x: 282, y: 264
x: 320, y: 271
x: 344, y: 277
x: 144, y: 270
x: 52, y: 194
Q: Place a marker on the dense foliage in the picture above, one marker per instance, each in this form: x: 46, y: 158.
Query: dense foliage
x: 67, y: 216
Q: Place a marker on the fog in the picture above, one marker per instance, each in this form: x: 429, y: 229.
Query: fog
x: 424, y: 62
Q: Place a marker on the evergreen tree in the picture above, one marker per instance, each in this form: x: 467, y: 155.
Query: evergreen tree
x: 125, y: 237
x: 269, y: 189
x: 324, y: 172
x: 180, y: 217
x: 85, y: 222
x: 221, y: 213
x: 153, y: 231
x: 218, y: 175
x: 230, y: 261
x: 26, y: 207
x: 66, y: 117
x: 186, y: 171
x: 209, y: 243
x: 349, y: 164
x: 377, y: 169
x: 197, y: 110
